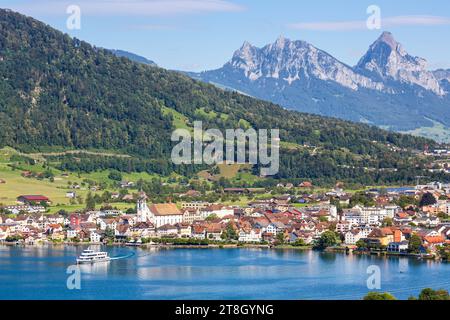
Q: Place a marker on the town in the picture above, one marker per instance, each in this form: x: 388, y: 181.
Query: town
x: 410, y: 221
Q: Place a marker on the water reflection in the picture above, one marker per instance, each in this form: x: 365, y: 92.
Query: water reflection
x: 209, y: 273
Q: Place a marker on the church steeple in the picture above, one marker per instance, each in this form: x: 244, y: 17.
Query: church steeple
x: 142, y: 208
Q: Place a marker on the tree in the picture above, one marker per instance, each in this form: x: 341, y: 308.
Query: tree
x: 327, y: 239
x: 230, y: 233
x: 427, y: 200
x: 430, y: 294
x: 414, y: 244
x: 115, y: 175
x: 387, y: 222
x: 361, y: 244
x: 280, y: 238
x: 299, y: 243
x: 379, y: 296
x: 406, y: 201
x: 212, y: 217
x: 90, y: 202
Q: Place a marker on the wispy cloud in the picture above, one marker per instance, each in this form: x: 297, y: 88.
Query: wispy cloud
x: 128, y: 7
x: 361, y: 25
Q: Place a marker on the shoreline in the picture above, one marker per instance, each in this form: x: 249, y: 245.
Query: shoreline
x: 166, y: 246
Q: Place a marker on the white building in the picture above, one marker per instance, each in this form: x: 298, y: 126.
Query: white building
x: 218, y: 210
x: 353, y: 236
x: 95, y: 237
x: 251, y: 235
x: 165, y: 213
x: 158, y: 214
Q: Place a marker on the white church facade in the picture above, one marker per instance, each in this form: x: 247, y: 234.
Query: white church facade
x: 158, y: 214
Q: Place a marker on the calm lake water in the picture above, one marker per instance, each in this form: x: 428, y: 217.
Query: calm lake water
x: 40, y: 273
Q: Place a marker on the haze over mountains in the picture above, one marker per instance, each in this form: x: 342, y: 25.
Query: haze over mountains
x: 388, y: 87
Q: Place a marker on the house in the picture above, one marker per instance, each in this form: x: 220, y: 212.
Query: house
x: 198, y: 231
x: 184, y: 230
x: 32, y: 199
x: 445, y: 232
x: 72, y: 233
x: 195, y: 205
x: 115, y: 195
x: 380, y: 236
x: 191, y: 214
x: 167, y: 230
x: 402, y: 218
x: 95, y: 237
x: 343, y: 226
x: 52, y: 228
x: 305, y: 184
x: 143, y: 230
x: 305, y: 236
x: 427, y: 221
x: 399, y: 247
x: 58, y: 236
x: 71, y: 194
x: 249, y: 235
x: 214, y: 231
x: 353, y: 236
x: 107, y: 224
x: 216, y: 209
x: 122, y: 231
x: 432, y: 241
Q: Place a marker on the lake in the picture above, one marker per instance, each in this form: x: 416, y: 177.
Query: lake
x: 195, y: 274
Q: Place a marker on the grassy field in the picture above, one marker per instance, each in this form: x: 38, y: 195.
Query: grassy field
x: 17, y: 185
x: 56, y: 190
x: 179, y: 121
x: 438, y: 132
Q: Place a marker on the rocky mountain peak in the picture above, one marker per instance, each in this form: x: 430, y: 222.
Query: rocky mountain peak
x: 386, y: 59
x: 290, y: 61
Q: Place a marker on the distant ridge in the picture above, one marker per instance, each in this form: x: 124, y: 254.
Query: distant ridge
x: 133, y: 57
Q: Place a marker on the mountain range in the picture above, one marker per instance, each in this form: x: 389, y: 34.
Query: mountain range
x: 58, y: 93
x: 388, y: 87
x: 132, y: 56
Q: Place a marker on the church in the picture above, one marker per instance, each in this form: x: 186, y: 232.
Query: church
x: 158, y: 214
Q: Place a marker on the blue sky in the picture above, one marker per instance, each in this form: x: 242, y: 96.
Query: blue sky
x: 203, y: 34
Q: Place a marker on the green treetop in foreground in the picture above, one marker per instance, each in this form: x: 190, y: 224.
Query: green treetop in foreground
x: 425, y: 294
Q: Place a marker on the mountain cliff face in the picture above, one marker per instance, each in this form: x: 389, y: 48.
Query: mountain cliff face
x: 294, y: 60
x: 388, y: 87
x: 387, y: 60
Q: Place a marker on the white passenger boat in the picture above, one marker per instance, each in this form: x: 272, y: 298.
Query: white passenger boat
x: 91, y: 256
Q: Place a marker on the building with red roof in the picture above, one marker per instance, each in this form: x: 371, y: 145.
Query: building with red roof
x: 30, y: 199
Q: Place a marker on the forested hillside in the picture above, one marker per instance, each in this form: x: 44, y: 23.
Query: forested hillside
x: 62, y: 93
